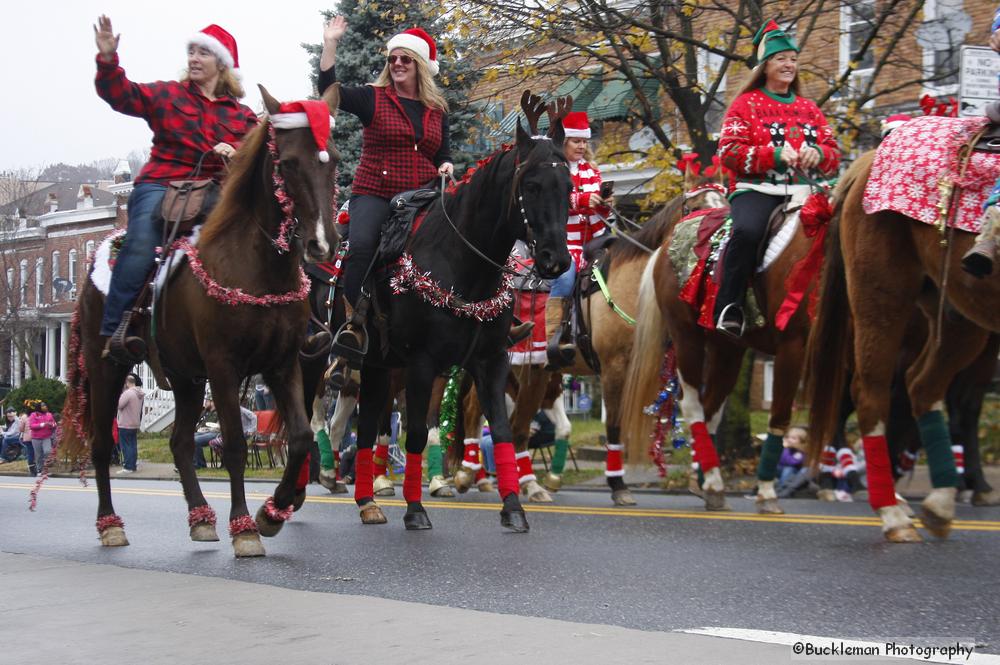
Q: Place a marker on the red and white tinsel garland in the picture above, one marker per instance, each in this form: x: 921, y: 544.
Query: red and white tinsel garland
x: 275, y: 514
x: 244, y: 524
x: 109, y: 521
x: 409, y: 277
x: 201, y: 515
x: 236, y: 296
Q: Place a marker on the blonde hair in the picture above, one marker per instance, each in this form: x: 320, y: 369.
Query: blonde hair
x: 227, y: 85
x: 758, y: 77
x: 427, y: 90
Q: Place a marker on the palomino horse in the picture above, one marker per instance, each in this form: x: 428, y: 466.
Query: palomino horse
x: 611, y: 336
x: 877, y: 267
x: 451, y: 298
x: 708, y: 362
x: 235, y: 308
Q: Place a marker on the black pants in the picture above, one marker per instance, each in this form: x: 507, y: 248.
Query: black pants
x: 750, y: 212
x: 368, y: 214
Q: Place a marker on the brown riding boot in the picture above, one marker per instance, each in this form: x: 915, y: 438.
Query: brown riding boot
x: 979, y: 260
x: 519, y: 331
x: 559, y: 354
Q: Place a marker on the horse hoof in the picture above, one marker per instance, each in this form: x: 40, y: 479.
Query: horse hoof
x: 383, y: 487
x: 903, y: 534
x: 939, y: 526
x: 514, y: 520
x: 826, y: 495
x: 268, y: 528
x: 113, y: 536
x: 371, y: 513
x: 938, y: 511
x: 203, y: 532
x: 623, y: 498
x: 485, y: 485
x: 715, y: 501
x: 464, y: 479
x: 440, y: 488
x: 535, y: 492
x: 991, y: 498
x: 902, y: 503
x: 416, y: 519
x: 299, y: 500
x: 552, y: 482
x: 330, y: 482
x: 769, y: 507
x: 247, y: 544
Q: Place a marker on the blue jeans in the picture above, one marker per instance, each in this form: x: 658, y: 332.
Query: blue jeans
x: 130, y: 447
x: 137, y: 256
x: 11, y: 441
x: 486, y: 447
x: 201, y: 440
x: 562, y: 286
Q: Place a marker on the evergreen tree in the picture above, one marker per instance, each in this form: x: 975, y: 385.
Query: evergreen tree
x: 361, y: 56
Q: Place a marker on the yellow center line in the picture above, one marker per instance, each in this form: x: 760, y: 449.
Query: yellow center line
x: 847, y: 520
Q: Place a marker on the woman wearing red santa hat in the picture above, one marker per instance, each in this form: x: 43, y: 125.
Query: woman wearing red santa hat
x: 404, y: 146
x: 196, y: 115
x: 586, y: 221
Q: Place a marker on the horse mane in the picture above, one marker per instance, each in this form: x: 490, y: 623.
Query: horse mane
x: 240, y: 186
x: 651, y: 235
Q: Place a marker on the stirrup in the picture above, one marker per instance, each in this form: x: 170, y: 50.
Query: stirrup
x: 351, y: 343
x: 339, y: 374
x: 520, y: 332
x: 559, y: 356
x: 731, y: 328
x: 122, y: 348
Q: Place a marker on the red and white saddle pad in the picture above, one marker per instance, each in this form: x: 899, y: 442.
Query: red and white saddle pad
x: 915, y: 157
x: 530, y: 306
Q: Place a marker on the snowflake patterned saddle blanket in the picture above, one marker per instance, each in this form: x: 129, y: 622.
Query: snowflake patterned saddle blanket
x: 916, y: 156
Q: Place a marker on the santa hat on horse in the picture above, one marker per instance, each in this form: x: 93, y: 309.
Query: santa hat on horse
x: 771, y: 39
x: 420, y: 43
x: 314, y: 114
x: 893, y: 121
x: 222, y: 45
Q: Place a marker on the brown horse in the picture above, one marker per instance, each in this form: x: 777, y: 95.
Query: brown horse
x: 199, y: 337
x: 708, y: 363
x: 877, y: 267
x: 611, y: 336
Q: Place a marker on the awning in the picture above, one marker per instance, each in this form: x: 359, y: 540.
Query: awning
x: 583, y: 90
x: 618, y: 98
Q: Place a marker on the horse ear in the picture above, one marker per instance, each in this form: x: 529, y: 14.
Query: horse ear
x: 524, y: 142
x: 270, y: 103
x: 332, y: 98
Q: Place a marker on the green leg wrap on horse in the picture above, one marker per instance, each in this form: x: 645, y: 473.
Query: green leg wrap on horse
x: 937, y: 443
x: 325, y: 450
x: 767, y: 467
x: 559, y: 456
x: 434, y: 465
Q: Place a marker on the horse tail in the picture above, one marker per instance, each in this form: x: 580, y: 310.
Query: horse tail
x: 76, y: 418
x: 829, y: 353
x: 642, y: 381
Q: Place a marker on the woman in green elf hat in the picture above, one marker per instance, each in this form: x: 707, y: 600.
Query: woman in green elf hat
x: 773, y: 140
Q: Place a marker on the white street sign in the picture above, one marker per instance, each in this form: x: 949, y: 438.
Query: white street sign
x: 977, y: 79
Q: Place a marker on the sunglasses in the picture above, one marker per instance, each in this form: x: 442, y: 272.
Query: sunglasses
x: 403, y: 59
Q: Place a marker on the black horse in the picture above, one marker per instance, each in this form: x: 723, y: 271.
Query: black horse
x: 450, y: 302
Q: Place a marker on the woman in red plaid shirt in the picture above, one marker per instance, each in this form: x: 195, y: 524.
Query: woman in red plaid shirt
x: 197, y: 115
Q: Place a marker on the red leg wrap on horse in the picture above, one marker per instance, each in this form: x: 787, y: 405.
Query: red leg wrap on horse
x: 703, y: 446
x: 480, y: 474
x: 524, y: 470
x: 414, y: 474
x: 881, y: 489
x: 363, y: 480
x: 336, y: 464
x: 303, y: 479
x: 470, y: 457
x: 613, y: 461
x: 507, y: 484
x: 380, y: 457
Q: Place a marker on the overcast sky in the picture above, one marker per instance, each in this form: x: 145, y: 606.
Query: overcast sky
x: 50, y: 111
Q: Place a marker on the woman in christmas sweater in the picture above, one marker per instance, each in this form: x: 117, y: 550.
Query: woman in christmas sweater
x: 771, y: 138
x: 404, y: 146
x: 586, y: 221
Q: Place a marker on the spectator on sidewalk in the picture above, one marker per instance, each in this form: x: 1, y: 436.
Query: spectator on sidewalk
x: 792, y: 474
x: 29, y: 451
x: 129, y: 418
x: 10, y: 450
x: 42, y: 424
x: 208, y: 429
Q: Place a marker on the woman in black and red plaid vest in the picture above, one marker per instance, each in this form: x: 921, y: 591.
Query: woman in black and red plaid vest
x: 404, y: 146
x: 199, y: 114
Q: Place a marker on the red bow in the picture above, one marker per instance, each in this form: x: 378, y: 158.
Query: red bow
x: 815, y: 216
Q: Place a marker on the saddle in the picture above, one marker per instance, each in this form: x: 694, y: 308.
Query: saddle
x: 406, y: 211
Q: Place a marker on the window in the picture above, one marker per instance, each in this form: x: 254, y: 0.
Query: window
x: 709, y: 66
x: 71, y: 267
x: 9, y: 293
x: 55, y: 275
x: 24, y: 283
x: 945, y: 27
x: 858, y: 21
x: 89, y: 252
x: 39, y: 281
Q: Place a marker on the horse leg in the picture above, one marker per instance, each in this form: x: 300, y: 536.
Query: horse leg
x: 490, y: 375
x: 188, y: 401
x: 225, y: 392
x: 927, y: 384
x: 614, y: 365
x: 382, y: 485
x: 472, y: 415
x: 788, y: 364
x: 330, y: 477
x: 532, y: 380
x: 437, y: 487
x: 882, y: 298
x: 106, y: 381
x: 557, y: 414
x: 286, y: 386
x: 373, y: 396
x: 965, y: 403
x: 691, y: 352
x: 419, y: 380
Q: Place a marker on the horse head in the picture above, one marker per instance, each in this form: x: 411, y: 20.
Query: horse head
x: 309, y: 170
x: 542, y: 187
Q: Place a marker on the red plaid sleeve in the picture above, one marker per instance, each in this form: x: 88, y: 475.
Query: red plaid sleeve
x: 123, y: 95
